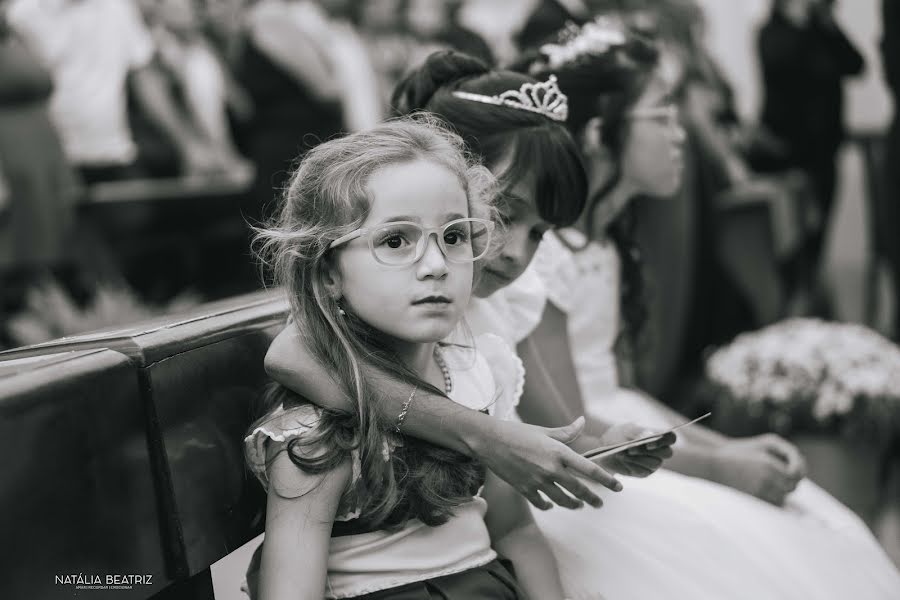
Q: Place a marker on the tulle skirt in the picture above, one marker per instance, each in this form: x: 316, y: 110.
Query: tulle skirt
x: 674, y: 536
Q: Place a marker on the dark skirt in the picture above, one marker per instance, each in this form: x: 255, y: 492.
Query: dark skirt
x: 495, y: 580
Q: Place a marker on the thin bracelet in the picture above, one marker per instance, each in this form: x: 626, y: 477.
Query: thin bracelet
x: 405, y: 409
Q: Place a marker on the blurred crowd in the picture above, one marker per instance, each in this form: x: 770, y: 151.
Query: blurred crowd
x: 98, y: 91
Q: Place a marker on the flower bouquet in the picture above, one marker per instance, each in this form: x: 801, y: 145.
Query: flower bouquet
x: 808, y: 375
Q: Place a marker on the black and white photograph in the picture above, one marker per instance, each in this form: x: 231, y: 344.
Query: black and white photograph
x: 450, y: 299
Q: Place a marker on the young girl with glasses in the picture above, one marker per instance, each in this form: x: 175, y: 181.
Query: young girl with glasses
x: 376, y: 243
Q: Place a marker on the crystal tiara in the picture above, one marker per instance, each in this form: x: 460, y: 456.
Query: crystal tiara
x: 595, y: 38
x: 542, y: 98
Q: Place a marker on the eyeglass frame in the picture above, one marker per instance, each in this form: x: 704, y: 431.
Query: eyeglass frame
x: 422, y: 247
x: 669, y: 111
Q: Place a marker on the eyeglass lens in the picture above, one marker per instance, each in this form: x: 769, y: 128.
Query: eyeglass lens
x: 404, y: 243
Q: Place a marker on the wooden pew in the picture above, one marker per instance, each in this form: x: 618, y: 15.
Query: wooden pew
x: 77, y: 495
x: 198, y: 375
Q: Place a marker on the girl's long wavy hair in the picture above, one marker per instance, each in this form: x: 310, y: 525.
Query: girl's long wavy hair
x: 327, y: 197
x: 607, y: 85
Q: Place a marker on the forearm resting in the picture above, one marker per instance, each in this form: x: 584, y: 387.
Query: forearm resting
x: 430, y: 417
x: 692, y: 460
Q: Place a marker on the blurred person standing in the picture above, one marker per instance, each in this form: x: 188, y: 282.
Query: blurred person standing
x: 37, y: 208
x: 309, y: 77
x: 888, y: 527
x: 201, y: 77
x: 805, y: 57
x: 890, y: 53
x: 94, y: 49
x: 438, y: 21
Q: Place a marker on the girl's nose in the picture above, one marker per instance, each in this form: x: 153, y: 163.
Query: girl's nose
x: 433, y: 262
x: 678, y: 133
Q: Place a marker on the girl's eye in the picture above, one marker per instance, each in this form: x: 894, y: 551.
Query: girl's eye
x: 393, y: 240
x: 456, y: 236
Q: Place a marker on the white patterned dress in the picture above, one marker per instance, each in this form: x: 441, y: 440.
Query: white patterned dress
x: 669, y: 535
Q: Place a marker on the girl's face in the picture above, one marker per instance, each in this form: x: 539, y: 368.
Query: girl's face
x: 524, y: 229
x: 651, y: 160
x: 422, y: 302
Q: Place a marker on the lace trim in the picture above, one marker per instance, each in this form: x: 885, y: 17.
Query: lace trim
x: 256, y: 450
x: 508, y: 372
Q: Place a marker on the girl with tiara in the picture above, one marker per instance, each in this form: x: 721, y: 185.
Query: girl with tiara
x: 523, y: 141
x: 680, y: 531
x: 375, y: 243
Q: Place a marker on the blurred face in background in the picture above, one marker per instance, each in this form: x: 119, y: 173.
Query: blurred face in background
x: 652, y: 161
x: 181, y: 16
x: 380, y: 15
x: 796, y: 11
x: 427, y: 17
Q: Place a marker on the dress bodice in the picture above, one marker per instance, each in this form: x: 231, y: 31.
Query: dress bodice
x: 360, y: 563
x: 584, y: 284
x: 582, y: 279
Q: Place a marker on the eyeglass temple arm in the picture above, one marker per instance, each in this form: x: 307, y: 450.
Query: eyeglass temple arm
x: 348, y: 237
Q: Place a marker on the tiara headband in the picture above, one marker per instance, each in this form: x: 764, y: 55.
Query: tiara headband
x: 594, y: 38
x: 542, y: 98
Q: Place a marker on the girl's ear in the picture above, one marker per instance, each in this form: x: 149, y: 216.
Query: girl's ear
x: 333, y: 282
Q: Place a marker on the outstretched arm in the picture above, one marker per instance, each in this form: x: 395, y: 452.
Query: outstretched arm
x: 532, y: 459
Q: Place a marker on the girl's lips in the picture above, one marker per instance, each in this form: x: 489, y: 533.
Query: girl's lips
x: 433, y: 300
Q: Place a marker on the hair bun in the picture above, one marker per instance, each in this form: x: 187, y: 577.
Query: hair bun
x: 440, y: 69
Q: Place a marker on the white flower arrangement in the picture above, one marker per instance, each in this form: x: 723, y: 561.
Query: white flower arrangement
x: 838, y: 372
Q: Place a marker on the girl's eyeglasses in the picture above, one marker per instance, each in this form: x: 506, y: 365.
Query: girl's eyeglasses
x: 667, y: 114
x: 403, y: 243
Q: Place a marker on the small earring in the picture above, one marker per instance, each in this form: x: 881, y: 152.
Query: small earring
x: 341, y: 310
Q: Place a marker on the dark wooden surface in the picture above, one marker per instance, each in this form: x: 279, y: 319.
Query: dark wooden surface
x: 130, y: 450
x: 77, y: 492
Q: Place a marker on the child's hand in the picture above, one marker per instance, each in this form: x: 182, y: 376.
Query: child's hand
x: 536, y: 459
x: 640, y: 461
x: 766, y: 466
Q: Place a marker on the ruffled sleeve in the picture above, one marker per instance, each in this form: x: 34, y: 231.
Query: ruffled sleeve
x: 525, y: 300
x: 282, y: 426
x: 556, y: 268
x: 508, y: 374
x: 511, y: 312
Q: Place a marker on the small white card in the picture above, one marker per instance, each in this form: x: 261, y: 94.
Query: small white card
x: 604, y: 451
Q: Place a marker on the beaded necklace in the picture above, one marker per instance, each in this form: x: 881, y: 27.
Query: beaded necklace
x: 439, y: 359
